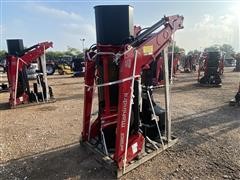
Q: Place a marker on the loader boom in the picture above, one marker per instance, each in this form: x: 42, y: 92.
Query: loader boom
x: 16, y: 67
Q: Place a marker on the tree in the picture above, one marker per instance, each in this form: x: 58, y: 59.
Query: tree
x: 2, y: 54
x: 228, y: 49
x: 73, y: 52
x: 177, y: 49
x: 54, y: 55
x: 215, y: 47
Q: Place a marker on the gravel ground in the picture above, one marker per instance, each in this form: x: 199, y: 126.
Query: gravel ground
x: 41, y: 142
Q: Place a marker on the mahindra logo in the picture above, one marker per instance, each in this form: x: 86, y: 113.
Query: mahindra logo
x: 124, y: 111
x: 124, y: 119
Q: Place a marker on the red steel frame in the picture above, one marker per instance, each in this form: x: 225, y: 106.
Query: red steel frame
x: 130, y: 65
x: 16, y: 64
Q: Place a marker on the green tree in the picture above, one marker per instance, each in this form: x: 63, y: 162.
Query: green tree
x: 2, y: 54
x: 54, y: 55
x: 228, y: 49
x: 73, y: 52
x: 195, y: 51
x: 177, y: 49
x: 214, y: 47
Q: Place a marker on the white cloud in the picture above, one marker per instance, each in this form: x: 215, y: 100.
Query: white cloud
x: 217, y: 25
x: 56, y: 13
x: 72, y: 33
x: 71, y: 27
x: 208, y: 31
x: 80, y: 29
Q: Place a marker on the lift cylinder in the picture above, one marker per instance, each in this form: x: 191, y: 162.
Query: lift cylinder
x: 114, y: 24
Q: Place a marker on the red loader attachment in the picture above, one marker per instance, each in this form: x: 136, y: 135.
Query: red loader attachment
x: 213, y: 68
x: 18, y: 59
x: 236, y: 99
x: 129, y: 127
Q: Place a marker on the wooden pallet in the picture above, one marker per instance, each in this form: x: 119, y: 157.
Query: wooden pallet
x: 111, y: 165
x: 52, y: 100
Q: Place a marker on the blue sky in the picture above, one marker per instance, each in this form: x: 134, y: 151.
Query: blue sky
x: 66, y: 22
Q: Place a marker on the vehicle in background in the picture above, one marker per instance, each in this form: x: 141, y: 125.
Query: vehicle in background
x: 230, y: 61
x: 78, y: 67
x: 237, y: 66
x: 50, y: 67
x: 32, y: 70
x: 3, y: 65
x: 70, y: 65
x: 3, y: 85
x: 64, y: 69
x: 64, y: 65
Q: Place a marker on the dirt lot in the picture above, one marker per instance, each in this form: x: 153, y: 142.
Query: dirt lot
x: 41, y: 142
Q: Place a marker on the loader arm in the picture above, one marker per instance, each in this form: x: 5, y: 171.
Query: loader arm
x: 16, y: 63
x: 143, y: 50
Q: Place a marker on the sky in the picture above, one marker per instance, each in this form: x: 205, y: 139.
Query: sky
x: 66, y: 22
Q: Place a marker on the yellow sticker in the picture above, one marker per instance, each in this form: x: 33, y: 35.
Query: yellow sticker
x: 147, y: 50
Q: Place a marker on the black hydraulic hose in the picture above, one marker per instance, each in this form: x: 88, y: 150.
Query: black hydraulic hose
x: 93, y: 47
x: 26, y: 50
x: 146, y: 33
x: 142, y: 30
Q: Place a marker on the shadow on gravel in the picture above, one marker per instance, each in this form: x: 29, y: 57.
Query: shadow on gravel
x: 75, y: 96
x: 4, y: 106
x: 191, y: 79
x: 69, y: 162
x: 66, y: 84
x: 211, y: 126
x: 203, y: 126
x: 60, y: 77
x: 189, y: 87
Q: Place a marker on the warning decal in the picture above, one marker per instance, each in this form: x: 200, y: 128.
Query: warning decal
x: 148, y: 50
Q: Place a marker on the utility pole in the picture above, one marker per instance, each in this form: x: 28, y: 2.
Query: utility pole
x: 83, y: 39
